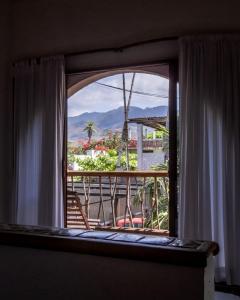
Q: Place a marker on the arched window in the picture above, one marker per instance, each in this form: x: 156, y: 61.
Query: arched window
x: 119, y: 148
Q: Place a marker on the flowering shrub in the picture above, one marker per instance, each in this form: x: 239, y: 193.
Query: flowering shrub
x: 113, y: 140
x: 101, y: 148
x: 107, y: 159
x: 94, y: 145
x: 85, y: 147
x: 132, y: 143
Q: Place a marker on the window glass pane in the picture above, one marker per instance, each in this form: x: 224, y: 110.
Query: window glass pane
x: 120, y: 123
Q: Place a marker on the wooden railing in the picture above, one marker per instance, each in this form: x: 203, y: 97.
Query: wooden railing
x: 121, y: 198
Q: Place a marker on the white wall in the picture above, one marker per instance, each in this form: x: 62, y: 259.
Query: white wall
x: 151, y: 159
x: 40, y: 274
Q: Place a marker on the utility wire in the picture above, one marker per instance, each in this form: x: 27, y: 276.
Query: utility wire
x: 133, y: 91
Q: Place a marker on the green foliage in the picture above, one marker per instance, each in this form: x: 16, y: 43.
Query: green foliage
x: 162, y: 218
x: 106, y: 162
x: 158, y: 208
x: 132, y: 161
x: 100, y: 163
x: 90, y: 128
x: 70, y: 158
x: 112, y: 153
x: 160, y: 167
x: 160, y: 134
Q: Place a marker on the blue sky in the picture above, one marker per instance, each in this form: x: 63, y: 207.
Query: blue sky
x: 97, y: 98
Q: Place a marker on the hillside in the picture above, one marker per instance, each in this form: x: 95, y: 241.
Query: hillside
x: 112, y: 119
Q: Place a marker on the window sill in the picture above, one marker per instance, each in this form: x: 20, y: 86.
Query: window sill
x: 158, y: 249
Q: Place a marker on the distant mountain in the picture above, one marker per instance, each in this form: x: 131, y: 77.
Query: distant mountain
x: 112, y: 119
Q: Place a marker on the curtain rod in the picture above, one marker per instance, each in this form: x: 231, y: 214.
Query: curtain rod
x: 124, y: 47
x: 132, y: 67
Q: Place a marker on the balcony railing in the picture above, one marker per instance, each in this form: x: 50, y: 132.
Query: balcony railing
x: 119, y: 199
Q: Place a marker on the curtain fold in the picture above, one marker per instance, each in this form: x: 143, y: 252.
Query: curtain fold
x: 39, y: 110
x: 210, y: 146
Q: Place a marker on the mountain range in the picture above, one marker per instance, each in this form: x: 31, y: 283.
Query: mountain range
x: 112, y: 119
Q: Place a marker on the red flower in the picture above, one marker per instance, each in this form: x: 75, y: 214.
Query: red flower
x: 100, y: 147
x: 132, y: 143
x: 86, y: 146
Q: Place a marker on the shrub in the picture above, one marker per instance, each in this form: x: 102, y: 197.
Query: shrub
x: 106, y: 162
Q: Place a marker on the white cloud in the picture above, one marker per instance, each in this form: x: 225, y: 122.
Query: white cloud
x: 100, y: 98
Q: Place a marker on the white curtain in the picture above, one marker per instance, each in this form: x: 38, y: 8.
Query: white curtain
x: 209, y: 205
x: 39, y: 108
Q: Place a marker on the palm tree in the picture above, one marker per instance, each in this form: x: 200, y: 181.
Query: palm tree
x: 90, y: 128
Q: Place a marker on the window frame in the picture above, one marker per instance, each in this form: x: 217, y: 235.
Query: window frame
x: 173, y: 131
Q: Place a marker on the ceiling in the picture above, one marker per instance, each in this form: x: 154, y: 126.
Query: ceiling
x: 65, y: 26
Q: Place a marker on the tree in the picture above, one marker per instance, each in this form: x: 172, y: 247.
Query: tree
x: 90, y: 128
